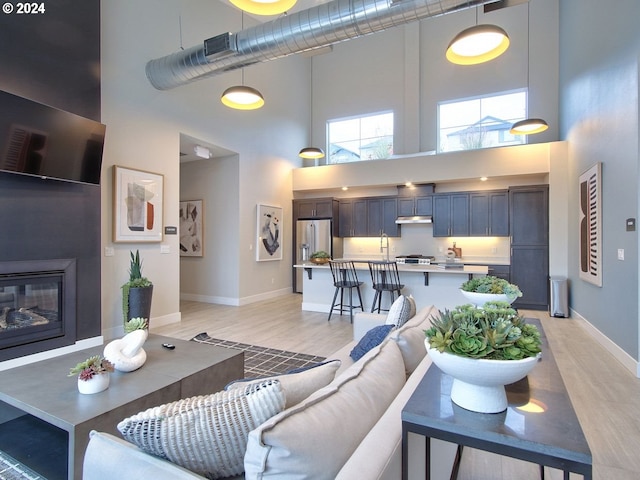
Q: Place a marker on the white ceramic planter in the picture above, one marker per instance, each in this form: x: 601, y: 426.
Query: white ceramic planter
x: 478, y: 384
x: 479, y: 299
x: 95, y: 384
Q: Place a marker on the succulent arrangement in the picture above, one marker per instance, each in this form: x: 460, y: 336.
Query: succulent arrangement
x: 95, y: 365
x: 494, y: 331
x: 491, y: 284
x: 136, y: 280
x: 137, y: 323
x: 320, y: 254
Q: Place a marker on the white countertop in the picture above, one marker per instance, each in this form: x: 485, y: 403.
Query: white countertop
x: 362, y: 265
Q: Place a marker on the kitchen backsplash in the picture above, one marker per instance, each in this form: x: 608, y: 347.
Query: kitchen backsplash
x: 418, y: 239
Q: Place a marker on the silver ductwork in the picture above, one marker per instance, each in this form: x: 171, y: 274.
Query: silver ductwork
x: 309, y: 29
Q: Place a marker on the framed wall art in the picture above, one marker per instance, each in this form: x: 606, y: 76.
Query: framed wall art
x: 191, y: 228
x: 137, y: 205
x: 269, y: 233
x: 590, y: 218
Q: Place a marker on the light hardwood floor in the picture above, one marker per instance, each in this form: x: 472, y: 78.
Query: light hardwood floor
x: 605, y: 395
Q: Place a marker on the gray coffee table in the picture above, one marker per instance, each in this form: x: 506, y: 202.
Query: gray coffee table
x: 44, y: 390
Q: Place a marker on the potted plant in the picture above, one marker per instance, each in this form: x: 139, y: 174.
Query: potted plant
x: 137, y: 292
x: 483, y: 349
x: 93, y: 374
x: 320, y: 257
x: 479, y: 290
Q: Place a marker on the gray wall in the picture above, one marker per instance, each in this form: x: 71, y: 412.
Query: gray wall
x: 599, y: 48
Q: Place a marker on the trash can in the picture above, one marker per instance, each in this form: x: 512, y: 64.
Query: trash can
x: 558, y: 297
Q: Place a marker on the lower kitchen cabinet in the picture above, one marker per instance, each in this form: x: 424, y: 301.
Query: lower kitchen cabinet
x: 530, y: 271
x: 500, y: 271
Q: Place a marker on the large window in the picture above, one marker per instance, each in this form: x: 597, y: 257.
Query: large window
x: 480, y: 122
x: 361, y: 138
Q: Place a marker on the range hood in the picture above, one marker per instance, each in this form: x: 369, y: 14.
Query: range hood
x: 415, y: 219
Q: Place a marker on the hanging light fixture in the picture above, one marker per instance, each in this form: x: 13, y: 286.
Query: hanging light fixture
x: 477, y: 44
x: 241, y: 97
x: 311, y: 152
x: 264, y: 7
x: 528, y: 126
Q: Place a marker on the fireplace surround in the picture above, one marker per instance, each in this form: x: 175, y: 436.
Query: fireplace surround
x: 37, y: 306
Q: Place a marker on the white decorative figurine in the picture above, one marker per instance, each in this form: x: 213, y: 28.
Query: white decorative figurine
x: 126, y: 353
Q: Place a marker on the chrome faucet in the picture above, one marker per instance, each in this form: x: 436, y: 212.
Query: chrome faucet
x: 384, y: 236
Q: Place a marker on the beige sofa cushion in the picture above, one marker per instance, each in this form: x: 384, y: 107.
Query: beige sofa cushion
x: 316, y: 437
x: 410, y: 338
x: 300, y: 384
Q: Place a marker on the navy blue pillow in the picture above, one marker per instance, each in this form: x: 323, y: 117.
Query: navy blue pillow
x: 372, y: 338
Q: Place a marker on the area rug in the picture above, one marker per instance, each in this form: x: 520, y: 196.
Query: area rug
x: 263, y: 361
x: 11, y: 469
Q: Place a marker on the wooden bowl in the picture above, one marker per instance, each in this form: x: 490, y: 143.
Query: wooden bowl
x: 320, y: 261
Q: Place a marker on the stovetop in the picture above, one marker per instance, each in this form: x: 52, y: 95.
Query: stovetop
x: 415, y: 259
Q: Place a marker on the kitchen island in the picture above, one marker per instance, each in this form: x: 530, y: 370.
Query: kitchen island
x: 429, y: 285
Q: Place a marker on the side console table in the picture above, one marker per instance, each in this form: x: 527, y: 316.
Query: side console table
x: 539, y: 425
x: 43, y: 394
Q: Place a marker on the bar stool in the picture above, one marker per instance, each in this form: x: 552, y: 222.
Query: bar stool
x: 385, y: 278
x: 344, y: 276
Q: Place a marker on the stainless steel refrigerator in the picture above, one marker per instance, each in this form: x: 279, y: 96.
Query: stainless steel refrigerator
x: 313, y: 236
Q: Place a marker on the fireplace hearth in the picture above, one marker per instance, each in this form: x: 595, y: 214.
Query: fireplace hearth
x: 37, y: 306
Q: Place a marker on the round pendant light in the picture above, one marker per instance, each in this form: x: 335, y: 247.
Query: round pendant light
x: 242, y: 97
x: 477, y: 44
x: 264, y: 7
x: 528, y: 126
x: 311, y: 152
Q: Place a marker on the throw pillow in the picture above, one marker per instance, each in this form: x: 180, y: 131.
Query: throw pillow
x: 412, y: 306
x: 371, y: 339
x: 410, y: 338
x: 399, y: 312
x: 315, y: 438
x: 297, y: 384
x: 205, y: 434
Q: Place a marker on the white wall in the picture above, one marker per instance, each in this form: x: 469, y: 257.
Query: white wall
x: 144, y: 126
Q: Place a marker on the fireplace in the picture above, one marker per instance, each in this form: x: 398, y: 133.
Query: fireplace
x: 37, y: 306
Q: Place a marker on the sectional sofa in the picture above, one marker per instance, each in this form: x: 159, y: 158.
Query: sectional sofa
x: 348, y: 429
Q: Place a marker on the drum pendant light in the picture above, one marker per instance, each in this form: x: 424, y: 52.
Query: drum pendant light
x: 528, y: 126
x: 264, y: 7
x: 311, y: 152
x: 477, y: 44
x: 241, y: 97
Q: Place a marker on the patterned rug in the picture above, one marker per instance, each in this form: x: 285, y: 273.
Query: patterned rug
x: 263, y: 361
x: 12, y: 469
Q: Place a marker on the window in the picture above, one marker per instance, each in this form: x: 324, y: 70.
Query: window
x: 480, y: 122
x: 362, y: 138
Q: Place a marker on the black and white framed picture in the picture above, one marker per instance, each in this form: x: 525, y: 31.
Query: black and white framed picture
x: 192, y: 228
x: 269, y: 233
x: 590, y: 218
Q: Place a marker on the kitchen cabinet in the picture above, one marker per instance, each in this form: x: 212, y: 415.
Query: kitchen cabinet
x: 314, y: 208
x: 529, y: 226
x: 489, y: 214
x: 500, y: 271
x: 410, y: 206
x: 353, y: 217
x: 451, y: 215
x: 381, y: 216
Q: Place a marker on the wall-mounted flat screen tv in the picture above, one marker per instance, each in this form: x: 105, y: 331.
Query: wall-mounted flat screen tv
x: 42, y: 141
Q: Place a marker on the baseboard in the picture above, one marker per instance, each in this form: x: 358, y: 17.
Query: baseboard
x: 619, y: 354
x: 56, y: 352
x: 235, y: 301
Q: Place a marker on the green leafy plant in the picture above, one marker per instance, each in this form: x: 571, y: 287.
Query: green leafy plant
x: 320, y: 254
x: 137, y: 323
x: 95, y: 365
x: 490, y: 284
x: 136, y: 280
x: 494, y: 331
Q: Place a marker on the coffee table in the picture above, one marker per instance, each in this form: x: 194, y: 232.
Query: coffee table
x: 44, y: 391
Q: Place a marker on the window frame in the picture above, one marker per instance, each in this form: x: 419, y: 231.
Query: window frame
x: 360, y: 139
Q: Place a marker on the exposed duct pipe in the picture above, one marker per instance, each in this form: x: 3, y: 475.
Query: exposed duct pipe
x: 309, y: 29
